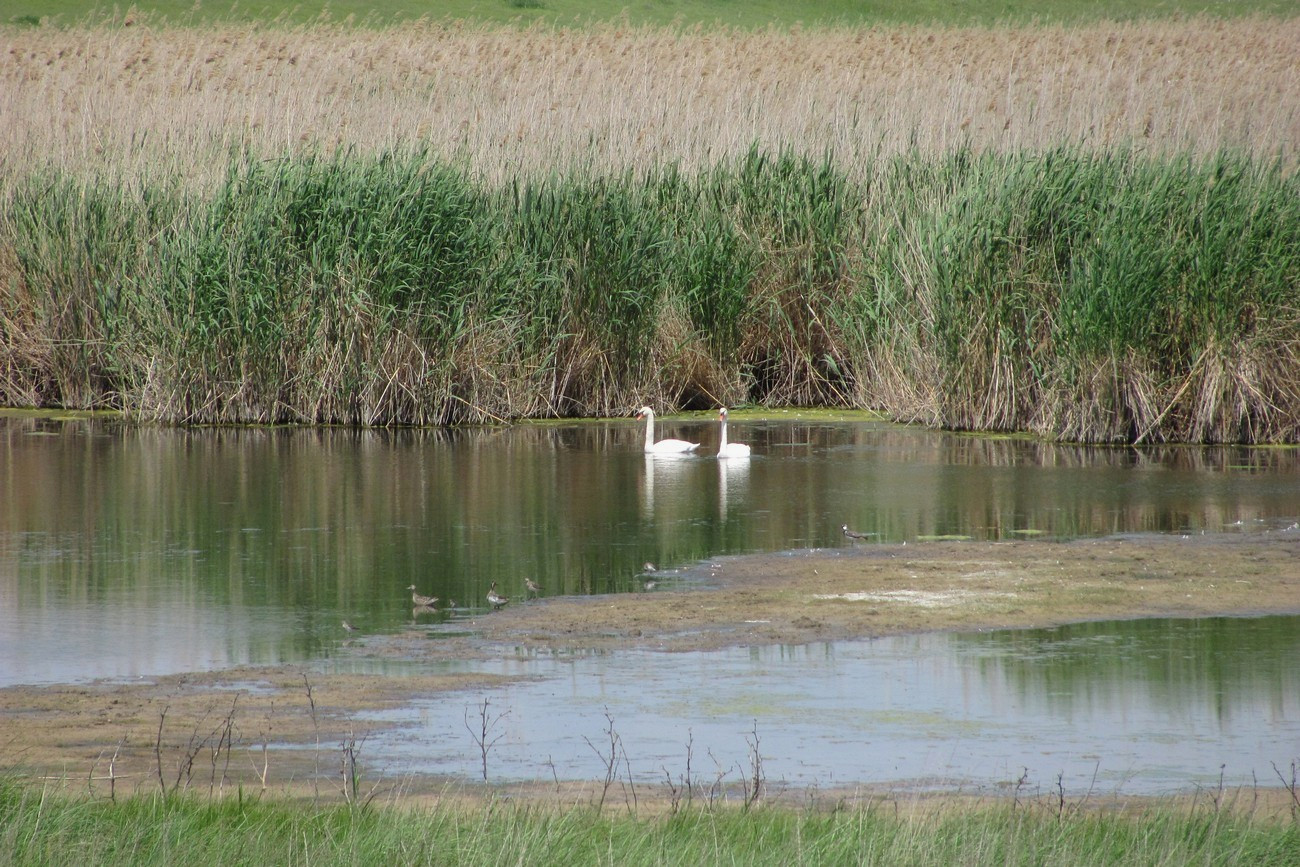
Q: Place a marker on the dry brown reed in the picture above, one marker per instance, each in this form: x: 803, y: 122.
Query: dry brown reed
x: 136, y: 100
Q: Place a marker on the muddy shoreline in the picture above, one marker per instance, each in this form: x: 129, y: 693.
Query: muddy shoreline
x: 284, y: 728
x: 866, y: 591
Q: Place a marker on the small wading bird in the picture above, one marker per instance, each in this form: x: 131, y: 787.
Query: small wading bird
x: 348, y: 627
x: 495, y: 599
x: 533, y: 587
x: 726, y: 449
x: 853, y: 534
x: 663, y: 447
x: 422, y: 601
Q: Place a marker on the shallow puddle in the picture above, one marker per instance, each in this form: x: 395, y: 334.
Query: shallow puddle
x: 1132, y: 707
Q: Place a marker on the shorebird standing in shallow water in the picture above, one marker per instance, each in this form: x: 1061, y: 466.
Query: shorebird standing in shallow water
x: 854, y: 535
x: 533, y: 587
x: 422, y: 601
x: 495, y: 599
x: 348, y: 627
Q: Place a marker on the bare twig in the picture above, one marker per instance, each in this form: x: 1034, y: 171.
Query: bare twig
x: 687, y: 786
x: 610, y: 759
x: 550, y: 762
x: 112, y: 771
x: 755, y: 781
x: 1292, y: 787
x: 1020, y: 784
x: 224, y: 745
x: 715, y: 788
x: 157, y: 749
x: 311, y: 704
x: 349, y: 770
x: 483, y: 737
x: 264, y: 770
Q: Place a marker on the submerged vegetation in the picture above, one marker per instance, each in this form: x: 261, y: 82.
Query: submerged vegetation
x: 1090, y: 233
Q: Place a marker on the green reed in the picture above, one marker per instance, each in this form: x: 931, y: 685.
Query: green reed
x: 1092, y: 296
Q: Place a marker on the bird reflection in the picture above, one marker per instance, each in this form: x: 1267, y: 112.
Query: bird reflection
x: 667, y: 474
x: 732, y: 474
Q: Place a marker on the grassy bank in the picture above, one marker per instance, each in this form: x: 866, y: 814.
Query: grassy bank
x: 43, y: 828
x: 1093, y: 296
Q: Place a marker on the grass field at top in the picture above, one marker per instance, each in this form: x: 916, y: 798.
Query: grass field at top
x: 731, y: 13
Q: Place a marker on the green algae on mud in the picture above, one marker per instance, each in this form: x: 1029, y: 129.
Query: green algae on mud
x: 871, y: 590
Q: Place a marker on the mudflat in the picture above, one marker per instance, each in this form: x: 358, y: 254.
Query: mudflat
x: 870, y: 590
x: 279, y: 727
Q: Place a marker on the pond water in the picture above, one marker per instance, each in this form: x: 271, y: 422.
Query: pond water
x: 134, y: 551
x: 1142, y: 707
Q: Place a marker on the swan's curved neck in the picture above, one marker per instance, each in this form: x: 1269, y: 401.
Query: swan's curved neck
x: 649, y: 430
x: 723, y: 443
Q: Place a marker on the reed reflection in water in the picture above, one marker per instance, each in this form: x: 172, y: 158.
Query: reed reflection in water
x: 131, y: 550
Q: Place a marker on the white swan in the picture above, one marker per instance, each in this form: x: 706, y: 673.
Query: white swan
x: 663, y: 447
x: 726, y: 449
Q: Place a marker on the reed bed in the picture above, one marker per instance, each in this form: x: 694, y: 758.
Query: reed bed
x: 139, y: 101
x: 1092, y: 233
x: 1107, y: 297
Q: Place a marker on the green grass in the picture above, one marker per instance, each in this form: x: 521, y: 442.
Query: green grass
x: 756, y: 14
x: 1103, y: 297
x: 42, y: 828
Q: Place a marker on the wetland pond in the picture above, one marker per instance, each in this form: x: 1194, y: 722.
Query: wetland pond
x: 128, y: 552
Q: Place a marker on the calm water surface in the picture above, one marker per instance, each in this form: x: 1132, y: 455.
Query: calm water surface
x: 128, y: 552
x: 1147, y: 707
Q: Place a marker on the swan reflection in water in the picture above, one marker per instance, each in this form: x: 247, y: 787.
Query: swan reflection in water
x: 669, y: 477
x: 733, y: 478
x: 675, y: 485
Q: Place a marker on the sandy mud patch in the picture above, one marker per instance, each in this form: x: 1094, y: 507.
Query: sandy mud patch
x: 872, y: 590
